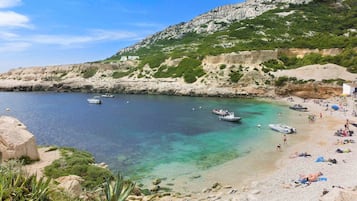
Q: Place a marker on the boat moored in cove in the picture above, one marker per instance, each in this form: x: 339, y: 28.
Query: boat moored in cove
x: 107, y: 95
x: 94, y: 100
x: 229, y: 117
x: 282, y: 128
x: 298, y: 107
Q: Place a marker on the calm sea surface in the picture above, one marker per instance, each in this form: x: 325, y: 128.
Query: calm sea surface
x: 136, y: 133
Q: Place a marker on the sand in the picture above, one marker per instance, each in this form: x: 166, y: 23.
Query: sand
x: 277, y: 181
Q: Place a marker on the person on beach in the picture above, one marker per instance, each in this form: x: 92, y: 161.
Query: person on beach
x: 303, y: 154
x: 310, y: 178
x: 278, y: 147
x: 285, y: 139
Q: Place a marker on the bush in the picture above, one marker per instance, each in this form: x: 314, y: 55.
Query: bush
x: 89, y: 72
x: 75, y: 162
x: 118, y: 74
x: 222, y: 66
x: 281, y: 81
x: 235, y: 76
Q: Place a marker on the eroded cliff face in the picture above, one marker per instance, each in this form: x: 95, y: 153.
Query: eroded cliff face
x: 315, y: 90
x: 216, y: 81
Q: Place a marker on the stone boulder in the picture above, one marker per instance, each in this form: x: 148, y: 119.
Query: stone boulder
x: 71, y: 184
x: 16, y: 140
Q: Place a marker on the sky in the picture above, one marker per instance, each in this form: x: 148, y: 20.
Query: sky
x: 54, y: 32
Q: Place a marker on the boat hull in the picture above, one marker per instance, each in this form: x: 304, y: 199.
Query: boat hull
x: 282, y: 128
x: 231, y: 119
x: 94, y: 101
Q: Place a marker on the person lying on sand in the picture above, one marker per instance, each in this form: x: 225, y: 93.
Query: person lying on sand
x: 305, y: 179
x: 303, y: 154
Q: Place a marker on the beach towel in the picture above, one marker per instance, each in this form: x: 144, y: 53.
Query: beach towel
x: 322, y: 179
x: 320, y: 159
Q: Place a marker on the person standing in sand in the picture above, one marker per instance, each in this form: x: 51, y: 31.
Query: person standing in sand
x: 285, y: 139
x: 278, y: 147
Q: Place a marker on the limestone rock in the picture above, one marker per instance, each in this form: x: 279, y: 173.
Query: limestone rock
x: 71, y: 184
x: 16, y: 140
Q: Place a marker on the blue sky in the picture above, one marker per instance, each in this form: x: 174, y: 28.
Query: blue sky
x: 51, y: 32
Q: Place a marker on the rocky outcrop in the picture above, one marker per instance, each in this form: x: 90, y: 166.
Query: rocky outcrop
x: 310, y: 90
x: 71, y: 184
x: 16, y: 140
x: 244, y: 57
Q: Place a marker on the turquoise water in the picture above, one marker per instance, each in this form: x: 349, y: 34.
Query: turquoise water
x: 136, y: 133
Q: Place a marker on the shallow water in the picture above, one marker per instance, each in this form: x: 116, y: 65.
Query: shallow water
x: 137, y: 134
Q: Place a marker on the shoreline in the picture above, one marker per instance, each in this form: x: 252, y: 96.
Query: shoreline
x: 276, y: 180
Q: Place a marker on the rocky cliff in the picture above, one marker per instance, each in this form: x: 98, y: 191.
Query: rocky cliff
x: 216, y: 81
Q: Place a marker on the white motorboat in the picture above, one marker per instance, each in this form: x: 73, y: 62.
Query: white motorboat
x: 282, y: 128
x: 107, y: 95
x: 220, y: 112
x: 94, y: 100
x: 229, y: 117
x: 299, y: 107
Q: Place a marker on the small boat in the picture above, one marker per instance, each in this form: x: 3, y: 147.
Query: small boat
x: 298, y: 107
x: 282, y: 128
x: 229, y: 117
x: 107, y: 95
x: 220, y: 112
x: 94, y: 100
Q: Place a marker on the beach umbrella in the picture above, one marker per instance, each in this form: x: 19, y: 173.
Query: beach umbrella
x: 335, y: 107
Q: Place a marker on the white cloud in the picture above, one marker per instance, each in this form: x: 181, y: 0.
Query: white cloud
x: 9, y: 3
x: 7, y: 35
x: 14, y: 47
x: 12, y: 19
x: 94, y: 36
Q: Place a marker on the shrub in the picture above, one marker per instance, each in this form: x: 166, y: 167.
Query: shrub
x: 222, y: 66
x: 118, y: 74
x: 89, y: 72
x: 281, y: 81
x: 75, y: 162
x: 235, y: 76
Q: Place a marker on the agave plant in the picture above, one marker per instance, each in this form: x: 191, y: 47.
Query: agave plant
x: 117, y: 190
x: 14, y: 185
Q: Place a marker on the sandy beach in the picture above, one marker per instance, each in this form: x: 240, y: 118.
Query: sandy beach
x: 279, y: 181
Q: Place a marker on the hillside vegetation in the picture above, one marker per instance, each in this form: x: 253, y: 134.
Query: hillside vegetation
x: 321, y: 24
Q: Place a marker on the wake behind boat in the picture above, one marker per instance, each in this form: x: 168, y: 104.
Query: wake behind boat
x: 229, y: 117
x: 282, y: 128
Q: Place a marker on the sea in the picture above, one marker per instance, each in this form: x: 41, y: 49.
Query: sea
x: 136, y: 134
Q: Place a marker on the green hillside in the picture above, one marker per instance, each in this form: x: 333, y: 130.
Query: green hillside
x: 321, y: 24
